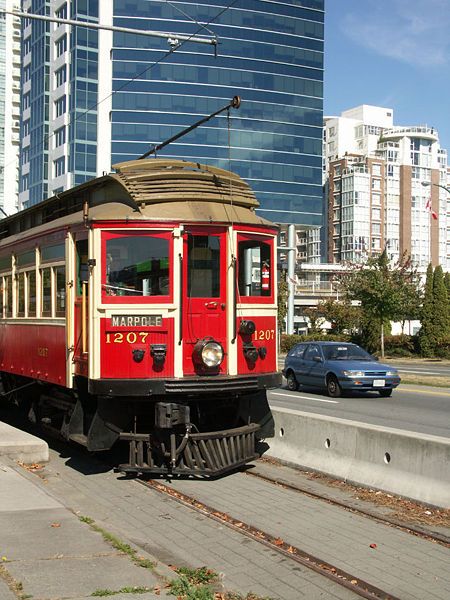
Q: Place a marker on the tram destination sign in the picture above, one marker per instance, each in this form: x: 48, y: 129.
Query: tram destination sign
x: 136, y: 321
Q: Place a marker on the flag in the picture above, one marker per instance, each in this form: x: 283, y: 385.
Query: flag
x: 430, y: 210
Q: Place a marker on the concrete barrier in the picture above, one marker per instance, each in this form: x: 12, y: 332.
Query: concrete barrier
x: 413, y: 465
x: 20, y: 445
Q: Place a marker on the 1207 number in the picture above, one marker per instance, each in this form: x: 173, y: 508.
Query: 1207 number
x: 265, y: 334
x: 129, y: 338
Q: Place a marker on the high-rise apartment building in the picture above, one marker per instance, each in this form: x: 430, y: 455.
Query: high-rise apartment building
x: 97, y: 98
x: 383, y: 189
x: 9, y: 108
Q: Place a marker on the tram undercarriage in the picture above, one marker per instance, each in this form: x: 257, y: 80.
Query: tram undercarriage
x: 185, y: 434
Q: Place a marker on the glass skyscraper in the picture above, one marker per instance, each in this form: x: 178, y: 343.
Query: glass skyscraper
x: 118, y: 94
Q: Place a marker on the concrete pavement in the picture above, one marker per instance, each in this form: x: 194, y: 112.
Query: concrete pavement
x: 46, y: 552
x: 53, y: 555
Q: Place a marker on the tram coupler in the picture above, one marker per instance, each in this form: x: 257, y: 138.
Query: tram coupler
x: 169, y: 414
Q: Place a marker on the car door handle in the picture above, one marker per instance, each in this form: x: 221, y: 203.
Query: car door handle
x: 210, y: 304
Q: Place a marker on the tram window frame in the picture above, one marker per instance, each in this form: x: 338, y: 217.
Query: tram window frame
x: 25, y: 264
x: 111, y: 236
x: 30, y: 313
x: 53, y: 260
x: 8, y: 280
x: 247, y: 241
x: 5, y: 275
x: 20, y: 293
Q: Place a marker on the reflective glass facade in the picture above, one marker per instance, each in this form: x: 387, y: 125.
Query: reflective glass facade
x: 83, y: 92
x: 37, y: 180
x: 269, y: 53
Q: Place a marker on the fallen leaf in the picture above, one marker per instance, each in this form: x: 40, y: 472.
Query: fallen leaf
x: 278, y: 542
x: 56, y: 525
x: 354, y: 581
x: 372, y: 546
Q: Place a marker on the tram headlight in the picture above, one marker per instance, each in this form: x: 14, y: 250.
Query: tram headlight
x: 208, y: 353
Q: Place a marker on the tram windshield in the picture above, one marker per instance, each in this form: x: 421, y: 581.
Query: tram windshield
x: 136, y: 265
x: 254, y: 274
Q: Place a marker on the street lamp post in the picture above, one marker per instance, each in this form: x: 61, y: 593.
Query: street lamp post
x: 429, y: 184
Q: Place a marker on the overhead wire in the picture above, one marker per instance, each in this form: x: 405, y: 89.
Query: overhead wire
x: 129, y: 81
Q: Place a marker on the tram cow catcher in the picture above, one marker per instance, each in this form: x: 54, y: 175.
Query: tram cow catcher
x: 141, y: 306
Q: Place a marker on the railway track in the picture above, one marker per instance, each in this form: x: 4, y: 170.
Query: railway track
x: 413, y: 529
x: 297, y: 555
x: 289, y: 551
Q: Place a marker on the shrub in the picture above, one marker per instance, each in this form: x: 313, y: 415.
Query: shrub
x: 399, y: 345
x: 442, y: 348
x: 288, y: 341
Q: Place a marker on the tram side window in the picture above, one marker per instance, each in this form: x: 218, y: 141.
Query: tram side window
x: 203, y: 266
x: 254, y: 268
x: 21, y: 294
x: 60, y: 280
x: 31, y: 294
x: 8, y: 295
x: 46, y: 292
x: 136, y: 265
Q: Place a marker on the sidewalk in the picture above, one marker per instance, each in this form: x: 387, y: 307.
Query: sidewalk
x: 46, y: 551
x: 51, y: 555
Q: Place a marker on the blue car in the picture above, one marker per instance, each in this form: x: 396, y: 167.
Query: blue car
x: 338, y: 367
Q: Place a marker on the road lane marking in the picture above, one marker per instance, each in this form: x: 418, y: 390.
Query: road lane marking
x: 305, y: 397
x: 422, y: 391
x: 443, y: 374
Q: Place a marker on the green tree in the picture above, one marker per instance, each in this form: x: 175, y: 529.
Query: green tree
x: 342, y: 315
x: 381, y: 289
x: 315, y: 319
x: 427, y: 338
x: 441, y: 313
x: 447, y: 284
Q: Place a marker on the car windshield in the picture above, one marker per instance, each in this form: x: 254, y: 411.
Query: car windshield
x: 345, y: 352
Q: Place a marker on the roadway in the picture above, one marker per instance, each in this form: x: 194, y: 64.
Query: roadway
x: 421, y: 409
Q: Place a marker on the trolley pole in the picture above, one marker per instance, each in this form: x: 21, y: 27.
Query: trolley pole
x: 235, y: 103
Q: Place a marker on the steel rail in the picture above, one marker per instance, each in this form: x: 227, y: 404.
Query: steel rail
x: 415, y: 530
x: 335, y: 574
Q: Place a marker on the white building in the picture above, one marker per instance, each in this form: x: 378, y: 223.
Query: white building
x: 383, y: 189
x: 9, y: 109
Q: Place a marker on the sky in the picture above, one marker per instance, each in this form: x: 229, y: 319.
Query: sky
x: 390, y: 53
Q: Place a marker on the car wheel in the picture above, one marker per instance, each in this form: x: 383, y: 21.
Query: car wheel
x: 385, y: 393
x: 292, y: 384
x: 333, y: 388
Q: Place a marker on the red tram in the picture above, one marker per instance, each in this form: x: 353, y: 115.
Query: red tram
x: 141, y: 306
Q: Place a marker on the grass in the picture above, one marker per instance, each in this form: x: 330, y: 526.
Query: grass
x: 430, y: 380
x: 117, y: 544
x: 191, y: 584
x: 194, y: 584
x: 124, y: 590
x: 15, y: 586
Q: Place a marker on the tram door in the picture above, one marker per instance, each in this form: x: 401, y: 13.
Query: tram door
x: 81, y: 293
x: 204, y: 293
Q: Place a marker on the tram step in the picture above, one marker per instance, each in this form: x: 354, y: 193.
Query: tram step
x: 79, y: 438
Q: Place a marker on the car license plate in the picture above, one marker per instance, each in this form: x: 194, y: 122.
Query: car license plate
x: 378, y: 383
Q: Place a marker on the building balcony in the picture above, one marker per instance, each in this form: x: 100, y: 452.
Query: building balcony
x: 423, y: 132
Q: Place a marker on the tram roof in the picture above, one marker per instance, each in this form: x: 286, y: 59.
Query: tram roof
x: 154, y: 189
